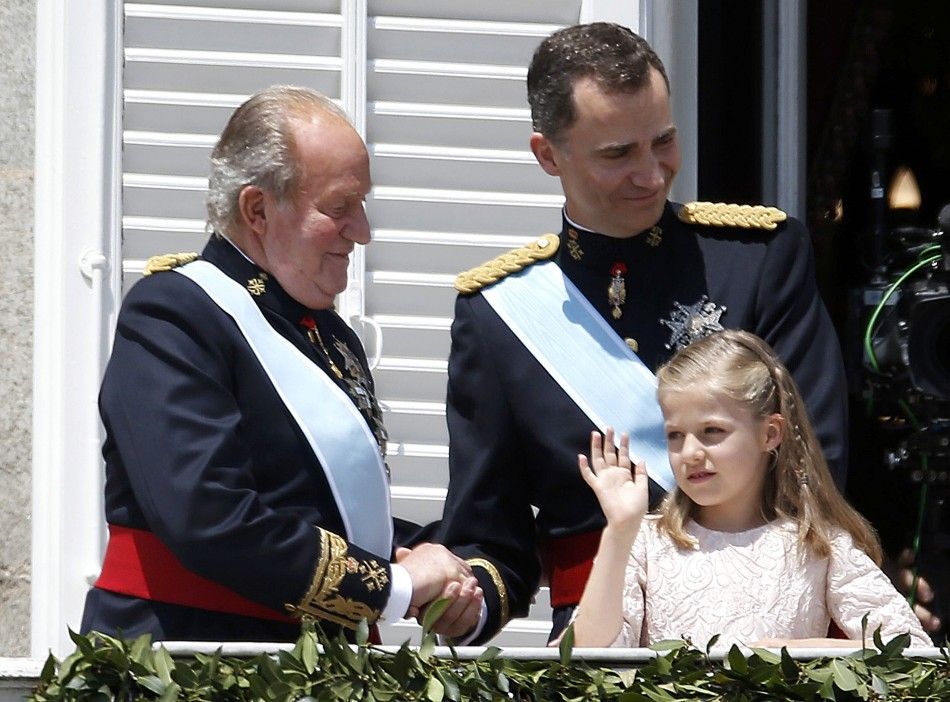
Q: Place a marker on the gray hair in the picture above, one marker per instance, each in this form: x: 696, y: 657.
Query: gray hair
x: 257, y: 148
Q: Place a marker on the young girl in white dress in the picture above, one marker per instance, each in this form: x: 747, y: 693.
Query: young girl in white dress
x: 755, y: 543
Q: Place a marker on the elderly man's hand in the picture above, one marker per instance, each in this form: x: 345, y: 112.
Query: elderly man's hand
x: 432, y: 569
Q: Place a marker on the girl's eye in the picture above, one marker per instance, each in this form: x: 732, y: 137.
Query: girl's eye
x: 713, y: 430
x: 674, y: 435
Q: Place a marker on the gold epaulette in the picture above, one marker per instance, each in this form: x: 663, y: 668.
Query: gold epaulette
x: 509, y: 262
x: 165, y: 262
x: 721, y: 214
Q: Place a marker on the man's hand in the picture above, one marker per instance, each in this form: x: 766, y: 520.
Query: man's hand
x: 462, y: 615
x: 924, y: 594
x: 432, y: 568
x: 432, y: 561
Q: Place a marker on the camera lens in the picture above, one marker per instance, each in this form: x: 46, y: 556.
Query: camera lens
x: 928, y: 346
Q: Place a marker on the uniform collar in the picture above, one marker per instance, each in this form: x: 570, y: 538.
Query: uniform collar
x: 263, y: 287
x: 589, y: 249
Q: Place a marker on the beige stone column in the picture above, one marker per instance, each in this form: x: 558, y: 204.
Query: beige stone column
x: 17, y: 54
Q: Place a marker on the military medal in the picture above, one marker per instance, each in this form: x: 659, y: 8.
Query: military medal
x: 308, y: 323
x: 690, y: 323
x: 361, y: 390
x: 617, y: 290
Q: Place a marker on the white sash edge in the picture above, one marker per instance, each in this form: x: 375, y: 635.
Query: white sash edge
x: 374, y: 535
x: 542, y: 292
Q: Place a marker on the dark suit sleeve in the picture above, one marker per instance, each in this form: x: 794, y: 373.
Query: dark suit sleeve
x: 488, y: 518
x: 178, y: 440
x: 792, y: 318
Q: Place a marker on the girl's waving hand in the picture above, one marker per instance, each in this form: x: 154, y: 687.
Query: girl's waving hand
x: 620, y: 484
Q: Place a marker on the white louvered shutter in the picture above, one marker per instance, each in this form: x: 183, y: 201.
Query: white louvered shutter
x: 438, y: 90
x: 454, y: 185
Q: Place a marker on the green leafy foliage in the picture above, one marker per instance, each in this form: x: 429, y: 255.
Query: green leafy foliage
x: 321, y: 668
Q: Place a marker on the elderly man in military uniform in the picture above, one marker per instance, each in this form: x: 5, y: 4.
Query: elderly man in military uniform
x: 561, y: 337
x: 245, y: 477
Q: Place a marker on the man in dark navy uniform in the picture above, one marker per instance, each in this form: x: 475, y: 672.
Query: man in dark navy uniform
x: 245, y: 485
x: 658, y: 273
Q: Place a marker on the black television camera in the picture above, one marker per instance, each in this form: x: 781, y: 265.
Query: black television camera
x: 906, y: 344
x: 907, y: 341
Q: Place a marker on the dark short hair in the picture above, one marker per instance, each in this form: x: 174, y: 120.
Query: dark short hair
x: 612, y: 55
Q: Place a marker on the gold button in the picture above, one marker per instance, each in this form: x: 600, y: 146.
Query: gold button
x: 542, y: 243
x: 632, y: 343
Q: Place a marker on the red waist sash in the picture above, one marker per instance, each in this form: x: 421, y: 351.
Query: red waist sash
x: 568, y: 561
x: 137, y: 563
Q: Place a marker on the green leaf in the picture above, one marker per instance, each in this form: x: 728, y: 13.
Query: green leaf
x: 451, y: 687
x: 171, y: 693
x: 501, y: 682
x: 153, y: 683
x: 433, y: 612
x: 767, y: 656
x: 308, y: 653
x: 668, y: 645
x: 789, y: 666
x: 843, y: 676
x: 491, y: 653
x: 163, y: 664
x: 435, y: 690
x: 82, y: 643
x: 427, y: 647
x: 566, y: 646
x: 737, y: 661
x: 362, y: 633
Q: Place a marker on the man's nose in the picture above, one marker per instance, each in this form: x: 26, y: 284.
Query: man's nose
x: 648, y: 173
x: 357, y: 229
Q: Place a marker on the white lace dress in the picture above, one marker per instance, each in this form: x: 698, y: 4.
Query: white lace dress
x: 754, y: 585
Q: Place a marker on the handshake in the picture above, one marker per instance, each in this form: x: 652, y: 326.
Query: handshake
x: 437, y: 573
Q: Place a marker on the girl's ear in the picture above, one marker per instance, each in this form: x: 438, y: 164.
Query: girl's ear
x: 774, y: 431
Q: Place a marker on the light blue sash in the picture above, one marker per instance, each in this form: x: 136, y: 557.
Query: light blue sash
x: 593, y: 365
x: 335, y: 429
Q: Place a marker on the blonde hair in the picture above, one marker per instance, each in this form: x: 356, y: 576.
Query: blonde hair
x: 798, y: 486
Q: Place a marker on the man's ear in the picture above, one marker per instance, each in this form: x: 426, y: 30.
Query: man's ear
x: 251, y: 202
x: 545, y: 152
x: 774, y: 431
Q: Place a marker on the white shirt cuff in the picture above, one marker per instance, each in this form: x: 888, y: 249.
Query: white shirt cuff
x: 400, y: 594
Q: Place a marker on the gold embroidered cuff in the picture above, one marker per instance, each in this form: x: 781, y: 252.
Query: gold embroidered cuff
x: 339, y: 577
x: 498, y: 582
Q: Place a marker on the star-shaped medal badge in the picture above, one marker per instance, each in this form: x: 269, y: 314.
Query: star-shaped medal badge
x: 693, y: 322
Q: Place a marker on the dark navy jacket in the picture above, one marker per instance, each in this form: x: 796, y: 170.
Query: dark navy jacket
x: 201, y: 452
x: 514, y: 433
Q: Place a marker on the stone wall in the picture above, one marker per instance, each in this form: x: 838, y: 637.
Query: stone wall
x: 17, y: 54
